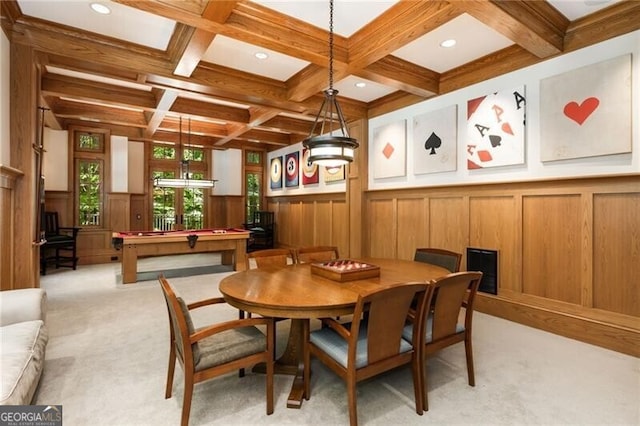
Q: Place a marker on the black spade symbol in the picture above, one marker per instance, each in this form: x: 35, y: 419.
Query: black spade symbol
x: 433, y: 142
x: 495, y: 140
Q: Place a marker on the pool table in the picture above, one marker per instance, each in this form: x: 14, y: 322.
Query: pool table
x: 231, y: 242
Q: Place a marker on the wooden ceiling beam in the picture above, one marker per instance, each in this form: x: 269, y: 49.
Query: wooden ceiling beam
x: 402, y: 75
x: 101, y: 114
x: 64, y: 86
x: 164, y: 102
x: 403, y: 23
x: 534, y: 25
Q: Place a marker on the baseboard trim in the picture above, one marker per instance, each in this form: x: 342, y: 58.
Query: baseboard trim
x: 609, y: 336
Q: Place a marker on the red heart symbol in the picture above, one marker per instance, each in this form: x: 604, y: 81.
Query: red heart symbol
x: 506, y: 127
x: 579, y: 113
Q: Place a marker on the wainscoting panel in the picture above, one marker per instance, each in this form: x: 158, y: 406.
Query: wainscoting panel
x: 493, y: 225
x: 382, y: 228
x: 448, y: 223
x: 552, y: 251
x: 569, y: 250
x: 616, y: 253
x: 412, y: 230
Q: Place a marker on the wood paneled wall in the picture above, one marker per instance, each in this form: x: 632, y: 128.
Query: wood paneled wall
x: 569, y: 251
x: 309, y: 220
x: 8, y: 177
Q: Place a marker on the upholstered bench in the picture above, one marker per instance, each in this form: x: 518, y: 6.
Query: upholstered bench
x: 23, y: 337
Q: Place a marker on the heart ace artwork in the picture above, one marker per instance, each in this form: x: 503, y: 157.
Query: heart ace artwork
x: 587, y: 111
x: 496, y: 129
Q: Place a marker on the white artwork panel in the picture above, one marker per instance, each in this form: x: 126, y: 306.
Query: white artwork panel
x: 435, y: 139
x: 587, y: 111
x: 389, y: 150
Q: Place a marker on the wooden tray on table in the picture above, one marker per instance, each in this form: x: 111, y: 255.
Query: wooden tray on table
x: 345, y: 270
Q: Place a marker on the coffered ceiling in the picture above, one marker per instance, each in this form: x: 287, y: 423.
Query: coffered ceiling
x: 139, y: 68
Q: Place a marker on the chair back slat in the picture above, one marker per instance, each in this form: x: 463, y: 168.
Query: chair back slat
x: 439, y: 257
x: 449, y: 295
x: 316, y: 254
x: 181, y: 323
x: 269, y: 257
x: 387, y: 312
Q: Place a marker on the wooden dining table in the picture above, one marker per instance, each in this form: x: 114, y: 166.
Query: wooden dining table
x: 297, y: 293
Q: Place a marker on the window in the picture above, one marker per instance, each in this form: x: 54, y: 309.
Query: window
x: 253, y: 183
x: 89, y: 177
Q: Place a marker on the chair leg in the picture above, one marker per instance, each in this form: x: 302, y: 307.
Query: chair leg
x: 306, y: 359
x: 468, y: 348
x: 186, y: 398
x: 353, y: 403
x: 425, y: 385
x: 417, y: 383
x: 170, y: 372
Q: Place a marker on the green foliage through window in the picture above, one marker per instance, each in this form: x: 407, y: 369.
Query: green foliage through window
x: 89, y: 192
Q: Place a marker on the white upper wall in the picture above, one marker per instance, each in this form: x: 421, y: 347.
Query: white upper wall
x: 533, y: 168
x: 227, y: 170
x: 5, y: 61
x: 55, y: 159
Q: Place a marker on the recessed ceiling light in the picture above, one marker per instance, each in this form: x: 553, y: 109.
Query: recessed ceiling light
x: 448, y: 43
x: 360, y: 84
x: 261, y: 55
x: 100, y: 8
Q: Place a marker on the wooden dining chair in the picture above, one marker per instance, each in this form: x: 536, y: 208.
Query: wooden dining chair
x: 216, y: 349
x: 315, y: 254
x: 440, y: 257
x: 441, y: 326
x: 365, y: 348
x: 268, y: 257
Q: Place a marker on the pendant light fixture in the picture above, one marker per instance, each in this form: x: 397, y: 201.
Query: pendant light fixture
x: 185, y: 180
x: 328, y: 149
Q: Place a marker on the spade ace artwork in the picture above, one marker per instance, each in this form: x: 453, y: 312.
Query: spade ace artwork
x: 587, y: 111
x: 434, y: 141
x: 496, y: 129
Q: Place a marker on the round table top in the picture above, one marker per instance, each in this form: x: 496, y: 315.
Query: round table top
x: 294, y: 292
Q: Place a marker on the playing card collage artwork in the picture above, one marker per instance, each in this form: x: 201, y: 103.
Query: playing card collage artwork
x: 585, y: 112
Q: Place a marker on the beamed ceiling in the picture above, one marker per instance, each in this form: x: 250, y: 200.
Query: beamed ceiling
x: 148, y: 63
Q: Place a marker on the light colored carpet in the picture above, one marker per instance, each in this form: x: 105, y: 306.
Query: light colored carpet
x: 107, y: 358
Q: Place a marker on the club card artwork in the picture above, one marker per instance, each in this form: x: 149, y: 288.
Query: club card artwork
x: 587, y: 111
x: 310, y: 174
x: 496, y: 129
x: 435, y: 137
x: 292, y: 169
x: 275, y: 173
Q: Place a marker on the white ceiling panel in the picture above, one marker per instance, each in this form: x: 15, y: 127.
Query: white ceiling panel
x: 372, y: 91
x: 473, y: 40
x: 574, y: 9
x: 348, y: 15
x: 240, y: 55
x: 122, y: 23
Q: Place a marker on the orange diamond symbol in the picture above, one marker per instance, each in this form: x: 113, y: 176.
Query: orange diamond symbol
x: 388, y: 150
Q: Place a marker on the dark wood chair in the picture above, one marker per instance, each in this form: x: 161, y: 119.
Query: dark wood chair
x: 439, y: 257
x: 441, y: 328
x: 60, y: 245
x: 262, y: 228
x: 315, y: 254
x: 214, y: 350
x: 365, y: 348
